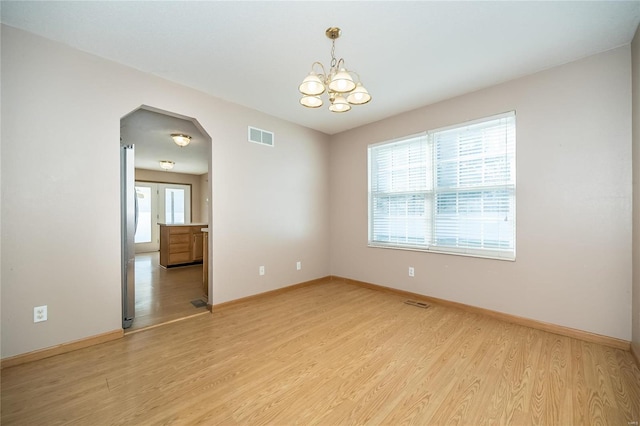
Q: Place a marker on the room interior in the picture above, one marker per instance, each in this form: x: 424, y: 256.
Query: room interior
x: 303, y: 199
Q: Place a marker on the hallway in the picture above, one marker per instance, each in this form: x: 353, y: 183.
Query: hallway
x: 165, y: 294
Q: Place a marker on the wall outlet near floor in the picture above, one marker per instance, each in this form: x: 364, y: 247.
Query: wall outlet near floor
x: 298, y: 265
x: 261, y: 270
x: 40, y: 313
x: 411, y: 271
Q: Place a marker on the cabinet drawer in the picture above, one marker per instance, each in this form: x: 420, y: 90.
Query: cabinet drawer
x: 179, y: 230
x: 179, y: 248
x: 179, y: 258
x: 180, y: 239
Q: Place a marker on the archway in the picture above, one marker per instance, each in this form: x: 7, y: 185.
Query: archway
x: 145, y: 140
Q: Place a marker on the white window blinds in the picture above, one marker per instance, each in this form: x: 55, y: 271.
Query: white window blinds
x: 401, y: 181
x: 449, y: 190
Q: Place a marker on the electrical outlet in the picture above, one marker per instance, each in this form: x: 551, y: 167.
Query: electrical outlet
x: 411, y: 271
x: 261, y: 270
x: 40, y: 313
x: 299, y: 265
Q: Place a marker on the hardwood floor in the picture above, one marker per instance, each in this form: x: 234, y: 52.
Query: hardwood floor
x: 329, y: 354
x: 164, y: 295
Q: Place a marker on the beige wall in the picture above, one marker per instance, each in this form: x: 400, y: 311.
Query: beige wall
x: 197, y: 193
x: 635, y: 52
x: 60, y: 196
x: 573, y: 265
x: 60, y: 238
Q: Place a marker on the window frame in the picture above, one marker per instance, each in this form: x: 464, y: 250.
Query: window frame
x: 432, y: 192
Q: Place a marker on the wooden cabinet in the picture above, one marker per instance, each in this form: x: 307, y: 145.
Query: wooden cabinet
x: 180, y: 244
x: 197, y: 252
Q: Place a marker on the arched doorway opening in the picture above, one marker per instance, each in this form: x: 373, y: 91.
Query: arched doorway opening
x: 164, y: 277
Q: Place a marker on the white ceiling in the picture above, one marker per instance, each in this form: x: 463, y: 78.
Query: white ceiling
x: 150, y: 133
x: 408, y: 54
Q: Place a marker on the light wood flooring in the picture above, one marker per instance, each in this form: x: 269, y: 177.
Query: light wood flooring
x: 164, y: 295
x: 329, y: 354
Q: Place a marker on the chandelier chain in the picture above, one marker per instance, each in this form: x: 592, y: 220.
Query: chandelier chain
x: 333, y: 53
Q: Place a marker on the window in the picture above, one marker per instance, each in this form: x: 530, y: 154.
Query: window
x: 449, y: 190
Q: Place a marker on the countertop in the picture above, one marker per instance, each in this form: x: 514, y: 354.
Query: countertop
x: 184, y: 224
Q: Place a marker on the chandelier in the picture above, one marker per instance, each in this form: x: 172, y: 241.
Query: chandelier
x: 338, y: 83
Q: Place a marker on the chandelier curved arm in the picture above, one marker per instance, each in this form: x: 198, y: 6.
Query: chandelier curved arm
x: 323, y: 74
x: 336, y: 65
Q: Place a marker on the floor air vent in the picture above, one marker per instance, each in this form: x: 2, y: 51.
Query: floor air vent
x: 199, y: 303
x: 417, y: 304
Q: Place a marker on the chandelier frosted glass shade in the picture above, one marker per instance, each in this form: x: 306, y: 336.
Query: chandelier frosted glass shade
x: 311, y: 101
x: 312, y: 85
x: 359, y: 95
x: 339, y: 104
x: 342, y: 82
x: 339, y: 84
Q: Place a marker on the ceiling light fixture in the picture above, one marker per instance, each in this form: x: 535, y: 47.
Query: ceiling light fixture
x: 338, y: 83
x: 180, y: 139
x: 167, y: 165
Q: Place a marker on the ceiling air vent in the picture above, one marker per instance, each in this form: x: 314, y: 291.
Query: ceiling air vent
x: 260, y: 136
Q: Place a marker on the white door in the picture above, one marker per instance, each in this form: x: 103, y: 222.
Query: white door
x: 159, y: 203
x: 146, y: 238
